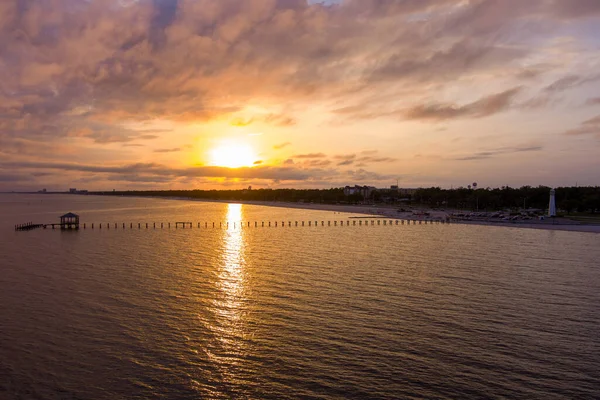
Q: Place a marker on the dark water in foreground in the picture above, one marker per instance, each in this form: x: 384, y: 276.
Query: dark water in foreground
x: 436, y: 311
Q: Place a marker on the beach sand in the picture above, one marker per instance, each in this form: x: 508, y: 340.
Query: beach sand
x: 561, y: 224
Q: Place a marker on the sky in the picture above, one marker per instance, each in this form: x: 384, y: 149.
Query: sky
x: 211, y: 94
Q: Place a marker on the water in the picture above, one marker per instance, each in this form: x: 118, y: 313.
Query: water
x: 420, y: 311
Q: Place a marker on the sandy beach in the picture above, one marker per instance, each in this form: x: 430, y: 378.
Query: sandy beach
x: 382, y: 211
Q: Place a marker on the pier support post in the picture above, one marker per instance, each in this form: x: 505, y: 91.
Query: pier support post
x: 309, y: 223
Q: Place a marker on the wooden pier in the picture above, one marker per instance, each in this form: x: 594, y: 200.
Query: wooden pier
x: 71, y: 222
x: 67, y: 221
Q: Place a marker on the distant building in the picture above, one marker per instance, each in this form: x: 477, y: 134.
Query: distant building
x: 72, y: 190
x: 407, y: 191
x: 365, y: 191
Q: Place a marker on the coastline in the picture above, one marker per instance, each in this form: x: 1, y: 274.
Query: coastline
x: 392, y: 213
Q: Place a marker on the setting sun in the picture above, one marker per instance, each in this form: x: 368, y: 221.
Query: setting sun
x: 233, y: 156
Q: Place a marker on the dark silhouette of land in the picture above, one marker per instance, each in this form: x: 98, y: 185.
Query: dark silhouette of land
x: 569, y: 199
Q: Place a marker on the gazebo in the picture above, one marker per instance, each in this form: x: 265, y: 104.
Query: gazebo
x: 69, y: 220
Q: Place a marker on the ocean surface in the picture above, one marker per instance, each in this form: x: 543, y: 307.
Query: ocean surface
x: 370, y: 312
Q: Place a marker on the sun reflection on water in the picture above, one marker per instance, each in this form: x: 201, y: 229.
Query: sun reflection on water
x: 229, y: 303
x: 231, y: 273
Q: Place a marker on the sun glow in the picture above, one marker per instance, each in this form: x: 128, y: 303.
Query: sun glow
x: 233, y: 156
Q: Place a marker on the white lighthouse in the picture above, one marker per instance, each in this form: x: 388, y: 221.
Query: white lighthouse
x: 552, y: 205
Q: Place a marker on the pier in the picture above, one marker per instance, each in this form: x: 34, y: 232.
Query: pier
x: 70, y: 221
x: 67, y: 221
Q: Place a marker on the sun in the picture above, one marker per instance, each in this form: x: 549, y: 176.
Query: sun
x: 232, y: 156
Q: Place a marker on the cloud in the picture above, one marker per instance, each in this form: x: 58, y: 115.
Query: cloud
x: 593, y: 101
x: 483, y: 107
x: 593, y: 121
x: 499, y: 151
x: 107, y: 64
x: 575, y: 9
x: 241, y: 122
x: 282, y: 145
x: 570, y: 82
x: 150, y: 170
x: 310, y: 155
x: 317, y: 163
x: 346, y: 162
x: 279, y: 120
x: 171, y: 150
x: 362, y: 175
x: 367, y: 157
x: 271, y: 119
x: 346, y: 157
x: 76, y: 76
x: 587, y: 127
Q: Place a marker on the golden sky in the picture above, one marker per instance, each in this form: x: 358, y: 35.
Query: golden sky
x: 140, y: 94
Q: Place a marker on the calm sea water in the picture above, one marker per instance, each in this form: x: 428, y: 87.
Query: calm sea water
x: 436, y: 311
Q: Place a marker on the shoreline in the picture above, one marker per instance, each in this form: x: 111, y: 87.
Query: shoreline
x: 391, y: 212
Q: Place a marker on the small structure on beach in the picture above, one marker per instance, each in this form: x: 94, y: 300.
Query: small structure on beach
x: 69, y: 221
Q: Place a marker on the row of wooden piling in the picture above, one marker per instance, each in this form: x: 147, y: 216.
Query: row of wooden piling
x: 262, y: 224
x: 27, y: 226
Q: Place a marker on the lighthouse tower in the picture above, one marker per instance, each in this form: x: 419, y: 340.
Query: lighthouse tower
x: 552, y: 205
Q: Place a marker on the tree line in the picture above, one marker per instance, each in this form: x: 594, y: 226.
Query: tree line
x: 568, y: 199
